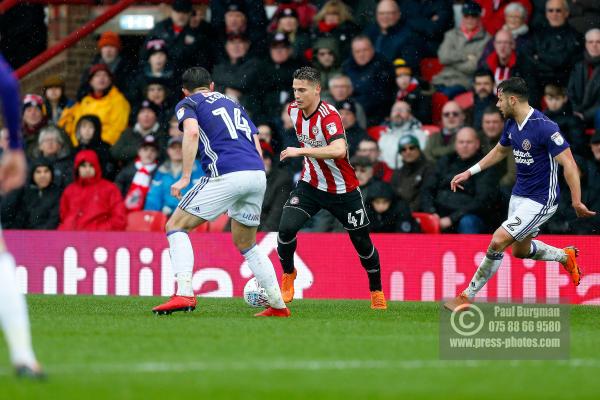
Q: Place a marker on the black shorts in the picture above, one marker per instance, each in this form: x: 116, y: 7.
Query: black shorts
x: 348, y: 208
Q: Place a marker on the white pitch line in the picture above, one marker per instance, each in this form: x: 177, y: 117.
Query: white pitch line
x: 306, y: 365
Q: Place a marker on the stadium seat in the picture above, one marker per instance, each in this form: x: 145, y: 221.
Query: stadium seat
x: 465, y: 100
x: 590, y: 131
x: 437, y: 103
x: 429, y: 222
x: 219, y: 224
x: 431, y: 129
x: 375, y: 132
x: 146, y: 221
x: 429, y: 68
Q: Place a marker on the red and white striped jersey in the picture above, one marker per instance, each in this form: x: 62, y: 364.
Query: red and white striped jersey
x: 318, y: 130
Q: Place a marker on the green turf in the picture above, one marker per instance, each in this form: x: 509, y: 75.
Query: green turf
x: 114, y: 348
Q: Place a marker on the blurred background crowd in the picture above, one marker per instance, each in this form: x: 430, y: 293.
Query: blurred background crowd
x: 413, y: 80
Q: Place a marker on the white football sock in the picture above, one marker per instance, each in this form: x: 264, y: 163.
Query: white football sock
x: 13, y: 315
x: 263, y: 270
x: 182, y: 261
x: 542, y: 251
x: 488, y: 267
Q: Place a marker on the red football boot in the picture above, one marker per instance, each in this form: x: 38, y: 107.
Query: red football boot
x: 176, y: 303
x: 274, y: 312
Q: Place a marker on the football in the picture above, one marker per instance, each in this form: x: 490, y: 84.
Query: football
x: 255, y: 295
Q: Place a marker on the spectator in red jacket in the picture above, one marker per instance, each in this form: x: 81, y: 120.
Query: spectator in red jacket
x: 493, y: 13
x: 91, y: 202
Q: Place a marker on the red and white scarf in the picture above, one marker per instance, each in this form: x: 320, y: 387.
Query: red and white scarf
x: 501, y: 72
x: 140, y: 185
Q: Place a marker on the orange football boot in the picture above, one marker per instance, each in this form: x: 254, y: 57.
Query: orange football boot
x: 459, y: 303
x: 176, y: 303
x: 287, y: 286
x: 274, y: 312
x: 570, y: 264
x: 378, y: 300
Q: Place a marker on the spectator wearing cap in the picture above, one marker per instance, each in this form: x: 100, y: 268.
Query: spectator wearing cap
x: 409, y: 90
x: 335, y: 20
x: 186, y: 47
x: 35, y: 205
x: 52, y: 145
x: 372, y: 77
x: 159, y: 197
x: 401, y: 123
x: 464, y: 211
x: 88, y: 134
x: 341, y: 89
x: 156, y: 67
x: 408, y: 180
x: 493, y: 13
x: 237, y: 75
x: 275, y: 89
x: 159, y: 91
x: 126, y: 148
x: 584, y: 82
x: 109, y: 53
x: 460, y: 52
x: 105, y: 101
x: 91, y: 203
x: 33, y: 119
x: 387, y: 213
x: 228, y: 16
x: 134, y: 180
x: 354, y: 133
x: 391, y: 35
x: 304, y: 9
x: 55, y: 99
x: 279, y: 185
x: 286, y: 21
x: 326, y: 58
x: 453, y: 118
x: 552, y: 52
x: 428, y: 20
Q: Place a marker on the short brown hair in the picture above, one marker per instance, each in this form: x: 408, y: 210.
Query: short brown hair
x: 555, y: 91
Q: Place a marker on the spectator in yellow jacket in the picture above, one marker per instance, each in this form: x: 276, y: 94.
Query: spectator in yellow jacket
x: 104, y: 101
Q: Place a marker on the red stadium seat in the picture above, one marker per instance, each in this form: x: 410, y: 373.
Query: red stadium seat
x: 437, y: 103
x: 431, y: 129
x: 375, y: 132
x: 590, y: 131
x: 219, y: 224
x: 465, y: 100
x: 429, y: 68
x: 429, y: 222
x: 146, y: 221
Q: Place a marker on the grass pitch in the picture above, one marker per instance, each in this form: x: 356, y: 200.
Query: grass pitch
x: 114, y: 348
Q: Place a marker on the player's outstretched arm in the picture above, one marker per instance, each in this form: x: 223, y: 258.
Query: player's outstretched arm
x: 571, y: 172
x: 191, y: 136
x: 497, y: 154
x: 335, y: 149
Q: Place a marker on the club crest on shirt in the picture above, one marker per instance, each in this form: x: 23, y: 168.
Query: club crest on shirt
x: 315, y: 130
x: 331, y: 128
x: 294, y: 200
x: 557, y: 138
x: 526, y: 144
x: 180, y: 113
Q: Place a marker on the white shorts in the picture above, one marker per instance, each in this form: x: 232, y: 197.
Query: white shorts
x: 239, y: 193
x: 525, y: 217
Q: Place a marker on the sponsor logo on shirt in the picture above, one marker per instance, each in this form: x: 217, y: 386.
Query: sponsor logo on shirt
x: 523, y: 157
x: 557, y: 138
x: 309, y: 141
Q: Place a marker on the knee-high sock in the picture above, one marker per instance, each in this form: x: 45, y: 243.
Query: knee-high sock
x: 182, y: 261
x: 369, y: 256
x: 13, y: 315
x: 263, y: 270
x: 488, y: 267
x: 286, y: 250
x: 542, y: 251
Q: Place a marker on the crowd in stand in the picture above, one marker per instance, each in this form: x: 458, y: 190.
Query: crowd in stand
x: 413, y: 80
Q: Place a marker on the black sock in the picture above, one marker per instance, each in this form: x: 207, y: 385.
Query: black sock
x: 286, y: 254
x: 371, y: 265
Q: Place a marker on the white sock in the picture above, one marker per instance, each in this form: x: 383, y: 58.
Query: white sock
x: 13, y: 315
x: 542, y: 251
x: 182, y: 261
x: 488, y: 267
x: 263, y: 270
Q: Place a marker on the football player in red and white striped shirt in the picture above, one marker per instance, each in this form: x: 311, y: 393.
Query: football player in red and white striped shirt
x: 327, y: 182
